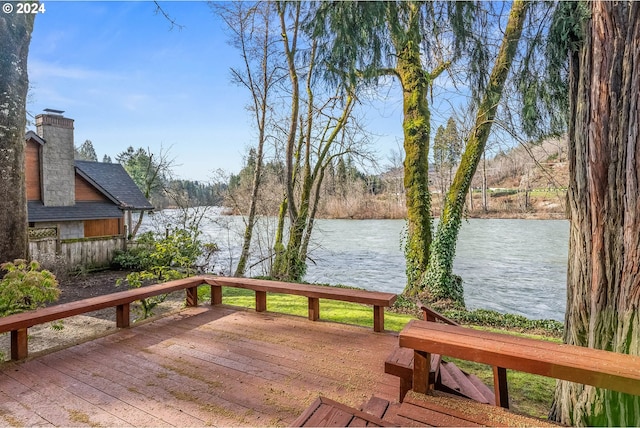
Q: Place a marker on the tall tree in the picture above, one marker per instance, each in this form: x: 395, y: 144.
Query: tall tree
x: 603, y: 280
x: 447, y: 147
x: 440, y: 160
x: 440, y: 282
x: 253, y: 36
x: 317, y: 133
x: 413, y: 42
x: 86, y: 152
x: 150, y: 171
x: 15, y: 36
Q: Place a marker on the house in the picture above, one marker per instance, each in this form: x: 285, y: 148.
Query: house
x: 75, y: 200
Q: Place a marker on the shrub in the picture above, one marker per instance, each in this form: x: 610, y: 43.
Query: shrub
x: 166, y: 258
x: 487, y: 318
x: 26, y: 287
x: 136, y: 257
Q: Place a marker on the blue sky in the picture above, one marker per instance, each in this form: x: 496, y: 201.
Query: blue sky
x: 129, y: 80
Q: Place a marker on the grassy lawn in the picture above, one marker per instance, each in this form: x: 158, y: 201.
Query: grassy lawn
x: 529, y: 394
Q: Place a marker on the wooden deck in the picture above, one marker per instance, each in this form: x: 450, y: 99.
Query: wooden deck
x: 203, y: 366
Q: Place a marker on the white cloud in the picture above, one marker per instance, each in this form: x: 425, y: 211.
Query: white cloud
x: 42, y: 70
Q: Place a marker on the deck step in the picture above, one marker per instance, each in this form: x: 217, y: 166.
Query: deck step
x: 376, y: 406
x: 455, y: 381
x: 446, y: 377
x: 400, y: 363
x: 487, y: 392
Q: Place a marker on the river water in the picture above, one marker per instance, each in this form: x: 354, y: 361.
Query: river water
x: 511, y: 266
x: 514, y: 266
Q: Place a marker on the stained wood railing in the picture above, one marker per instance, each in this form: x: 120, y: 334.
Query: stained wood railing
x: 18, y: 324
x: 603, y: 369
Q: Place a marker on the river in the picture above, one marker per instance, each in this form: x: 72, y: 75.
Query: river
x: 514, y: 266
x: 511, y: 266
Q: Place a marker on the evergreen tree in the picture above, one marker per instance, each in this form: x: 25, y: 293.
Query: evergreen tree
x: 86, y: 152
x: 599, y: 44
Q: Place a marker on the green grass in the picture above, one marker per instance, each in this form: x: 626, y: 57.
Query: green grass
x: 529, y: 394
x: 330, y: 310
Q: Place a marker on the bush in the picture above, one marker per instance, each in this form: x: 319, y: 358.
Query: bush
x: 166, y: 258
x: 137, y: 257
x: 487, y: 318
x: 25, y: 287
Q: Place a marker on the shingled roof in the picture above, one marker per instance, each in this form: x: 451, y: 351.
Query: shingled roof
x: 80, y: 211
x: 113, y: 181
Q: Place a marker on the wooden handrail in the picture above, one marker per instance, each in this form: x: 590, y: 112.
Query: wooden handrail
x: 18, y: 324
x: 603, y: 369
x: 501, y: 389
x: 429, y: 314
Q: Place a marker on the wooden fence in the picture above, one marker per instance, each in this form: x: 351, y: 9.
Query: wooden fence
x: 83, y: 253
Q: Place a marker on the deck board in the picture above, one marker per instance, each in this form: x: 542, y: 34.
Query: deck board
x: 203, y: 366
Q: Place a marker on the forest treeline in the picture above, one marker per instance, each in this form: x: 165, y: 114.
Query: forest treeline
x: 526, y: 181
x: 153, y: 173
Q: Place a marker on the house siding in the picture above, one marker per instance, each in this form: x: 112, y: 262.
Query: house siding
x: 32, y: 171
x: 86, y: 192
x: 107, y: 227
x: 67, y: 229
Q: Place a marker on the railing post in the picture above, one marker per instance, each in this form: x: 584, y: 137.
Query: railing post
x: 314, y: 308
x: 19, y: 344
x: 123, y: 316
x: 216, y: 294
x: 378, y: 318
x: 192, y: 296
x: 421, y: 368
x: 500, y: 386
x: 261, y: 301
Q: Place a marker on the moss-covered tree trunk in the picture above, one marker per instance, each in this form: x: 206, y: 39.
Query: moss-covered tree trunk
x: 279, y: 249
x: 440, y: 282
x: 416, y: 129
x: 15, y: 36
x: 415, y: 83
x: 603, y: 280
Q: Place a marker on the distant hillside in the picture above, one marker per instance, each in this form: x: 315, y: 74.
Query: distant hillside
x: 525, y: 182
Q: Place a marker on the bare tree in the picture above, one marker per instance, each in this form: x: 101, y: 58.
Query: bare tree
x: 150, y: 171
x: 317, y: 134
x: 252, y: 34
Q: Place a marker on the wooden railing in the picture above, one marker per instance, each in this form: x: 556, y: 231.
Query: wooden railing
x: 603, y: 369
x: 18, y: 324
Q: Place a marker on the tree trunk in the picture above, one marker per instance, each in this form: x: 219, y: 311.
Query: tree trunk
x: 15, y: 36
x: 440, y: 282
x: 485, y: 204
x: 603, y: 279
x: 416, y: 126
x: 259, y: 89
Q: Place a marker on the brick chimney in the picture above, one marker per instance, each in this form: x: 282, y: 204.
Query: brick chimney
x: 57, y: 162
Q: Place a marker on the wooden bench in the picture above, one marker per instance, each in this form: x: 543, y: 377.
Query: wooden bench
x: 314, y: 293
x: 18, y: 324
x: 603, y: 369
